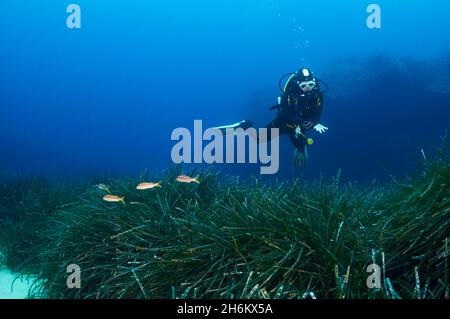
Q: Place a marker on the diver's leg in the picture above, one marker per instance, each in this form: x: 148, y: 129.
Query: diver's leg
x: 227, y: 129
x: 298, y: 142
x: 300, y: 153
x: 263, y: 135
x: 277, y: 123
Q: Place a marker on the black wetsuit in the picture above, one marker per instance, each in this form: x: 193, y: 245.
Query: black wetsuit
x: 297, y: 108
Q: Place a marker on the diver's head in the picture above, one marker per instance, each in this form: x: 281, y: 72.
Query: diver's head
x: 306, y: 80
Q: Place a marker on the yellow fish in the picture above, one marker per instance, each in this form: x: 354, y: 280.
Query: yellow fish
x: 103, y: 187
x: 187, y: 179
x: 114, y: 199
x: 143, y: 186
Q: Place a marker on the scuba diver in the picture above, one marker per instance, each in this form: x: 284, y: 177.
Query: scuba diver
x: 299, y: 110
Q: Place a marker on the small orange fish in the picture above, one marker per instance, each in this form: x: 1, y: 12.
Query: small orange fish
x: 187, y: 179
x: 114, y: 199
x: 143, y: 186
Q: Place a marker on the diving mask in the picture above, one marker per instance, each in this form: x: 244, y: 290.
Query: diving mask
x: 307, y: 86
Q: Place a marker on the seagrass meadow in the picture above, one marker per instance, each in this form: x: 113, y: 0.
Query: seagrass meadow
x: 226, y: 238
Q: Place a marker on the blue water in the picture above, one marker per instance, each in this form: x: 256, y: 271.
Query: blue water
x: 104, y: 99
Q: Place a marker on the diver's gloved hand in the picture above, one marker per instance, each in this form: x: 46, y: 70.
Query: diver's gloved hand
x: 320, y: 128
x: 300, y: 157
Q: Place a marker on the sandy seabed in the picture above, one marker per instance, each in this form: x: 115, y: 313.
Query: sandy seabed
x: 13, y: 289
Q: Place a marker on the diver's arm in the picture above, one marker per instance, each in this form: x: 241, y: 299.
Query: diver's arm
x: 314, y: 115
x: 316, y: 112
x: 319, y: 127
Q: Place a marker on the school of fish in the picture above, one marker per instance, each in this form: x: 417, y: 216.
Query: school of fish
x: 142, y: 186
